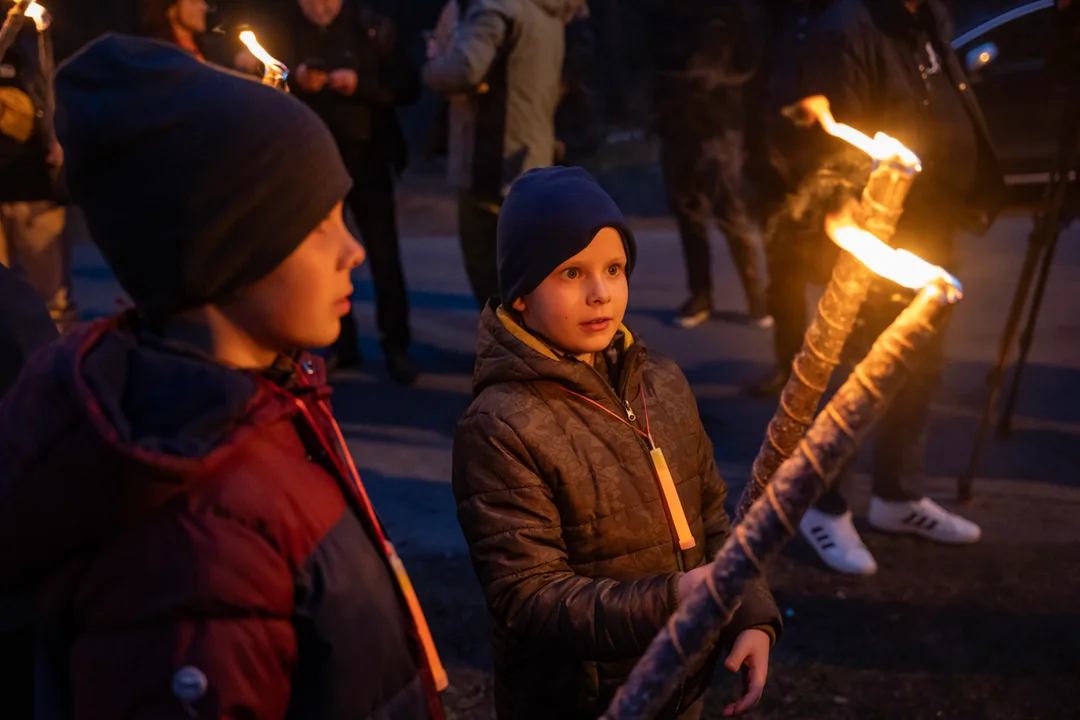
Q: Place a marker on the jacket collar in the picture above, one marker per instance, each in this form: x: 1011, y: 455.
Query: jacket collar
x: 507, y: 352
x: 545, y: 347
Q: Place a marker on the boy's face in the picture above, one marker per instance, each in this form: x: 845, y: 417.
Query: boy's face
x: 582, y: 303
x: 301, y: 302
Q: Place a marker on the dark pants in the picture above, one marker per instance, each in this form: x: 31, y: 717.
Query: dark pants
x: 478, y: 224
x: 704, y: 177
x: 786, y: 295
x: 372, y: 203
x: 899, y: 452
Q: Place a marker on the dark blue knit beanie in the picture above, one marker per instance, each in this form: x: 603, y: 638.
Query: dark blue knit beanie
x: 549, y: 216
x: 195, y: 181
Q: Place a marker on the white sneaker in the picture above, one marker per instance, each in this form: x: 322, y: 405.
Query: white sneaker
x: 925, y: 518
x: 764, y: 322
x: 837, y: 542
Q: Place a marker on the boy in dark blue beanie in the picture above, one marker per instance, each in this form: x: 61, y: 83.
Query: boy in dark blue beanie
x: 173, y: 485
x: 585, y: 482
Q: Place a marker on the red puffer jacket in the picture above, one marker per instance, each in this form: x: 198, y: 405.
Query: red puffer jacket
x: 201, y: 541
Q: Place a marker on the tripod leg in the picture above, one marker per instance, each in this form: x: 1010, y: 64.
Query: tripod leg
x: 1004, y: 428
x: 1043, y: 240
x: 995, y: 378
x: 1056, y: 215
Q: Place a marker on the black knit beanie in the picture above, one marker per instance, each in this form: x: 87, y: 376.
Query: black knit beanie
x: 549, y: 216
x: 195, y: 181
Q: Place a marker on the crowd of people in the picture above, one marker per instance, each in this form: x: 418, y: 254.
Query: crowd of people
x: 182, y: 528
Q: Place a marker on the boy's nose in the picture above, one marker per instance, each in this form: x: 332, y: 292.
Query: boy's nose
x: 599, y: 294
x: 355, y: 252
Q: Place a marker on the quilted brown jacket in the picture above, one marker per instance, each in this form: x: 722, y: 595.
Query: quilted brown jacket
x: 566, y: 526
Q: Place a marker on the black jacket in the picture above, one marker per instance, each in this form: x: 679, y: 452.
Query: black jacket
x: 861, y: 54
x: 566, y: 527
x: 364, y: 38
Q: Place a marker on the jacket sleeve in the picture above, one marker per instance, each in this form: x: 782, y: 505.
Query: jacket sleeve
x: 195, y: 598
x: 466, y: 63
x: 832, y: 65
x: 758, y: 609
x: 515, y: 540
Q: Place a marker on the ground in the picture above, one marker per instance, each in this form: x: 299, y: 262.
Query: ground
x: 990, y: 631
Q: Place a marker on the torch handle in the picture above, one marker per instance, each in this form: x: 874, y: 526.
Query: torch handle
x: 13, y: 24
x: 682, y: 646
x: 45, y: 64
x: 878, y: 212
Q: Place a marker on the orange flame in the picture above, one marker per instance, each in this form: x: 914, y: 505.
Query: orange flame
x: 248, y: 38
x: 900, y: 266
x: 39, y: 15
x: 880, y: 147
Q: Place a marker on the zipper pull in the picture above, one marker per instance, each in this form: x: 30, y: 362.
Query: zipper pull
x: 629, y: 411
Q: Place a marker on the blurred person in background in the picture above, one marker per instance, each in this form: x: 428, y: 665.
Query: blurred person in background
x: 774, y: 145
x: 181, y: 22
x: 502, y: 69
x: 350, y: 66
x: 578, y: 126
x: 888, y: 66
x: 704, y: 58
x: 32, y: 216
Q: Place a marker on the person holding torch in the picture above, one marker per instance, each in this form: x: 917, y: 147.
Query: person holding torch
x: 32, y: 199
x: 586, y: 485
x: 888, y: 65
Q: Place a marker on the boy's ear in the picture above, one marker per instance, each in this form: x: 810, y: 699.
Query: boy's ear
x: 519, y: 305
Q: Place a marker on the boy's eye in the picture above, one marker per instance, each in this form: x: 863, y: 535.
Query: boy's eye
x: 571, y: 273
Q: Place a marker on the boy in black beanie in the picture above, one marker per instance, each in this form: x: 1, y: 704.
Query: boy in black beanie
x: 585, y: 482
x: 173, y: 485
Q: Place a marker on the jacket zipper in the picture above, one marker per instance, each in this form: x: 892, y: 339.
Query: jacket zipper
x: 632, y: 417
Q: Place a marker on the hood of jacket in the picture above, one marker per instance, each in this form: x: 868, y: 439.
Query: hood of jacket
x: 108, y: 425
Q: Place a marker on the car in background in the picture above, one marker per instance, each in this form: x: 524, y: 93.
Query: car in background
x: 1005, y: 54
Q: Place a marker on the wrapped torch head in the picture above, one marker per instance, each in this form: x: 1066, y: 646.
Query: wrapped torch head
x: 895, y: 166
x: 884, y: 194
x: 275, y: 72
x: 276, y: 75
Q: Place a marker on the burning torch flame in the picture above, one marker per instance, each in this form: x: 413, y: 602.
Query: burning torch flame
x: 900, y: 266
x: 275, y: 70
x: 880, y: 147
x: 39, y: 15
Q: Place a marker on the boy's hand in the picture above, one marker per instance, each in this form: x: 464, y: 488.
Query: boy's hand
x: 689, y: 581
x: 751, y: 653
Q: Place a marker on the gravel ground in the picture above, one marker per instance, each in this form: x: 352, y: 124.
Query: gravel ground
x: 983, y: 632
